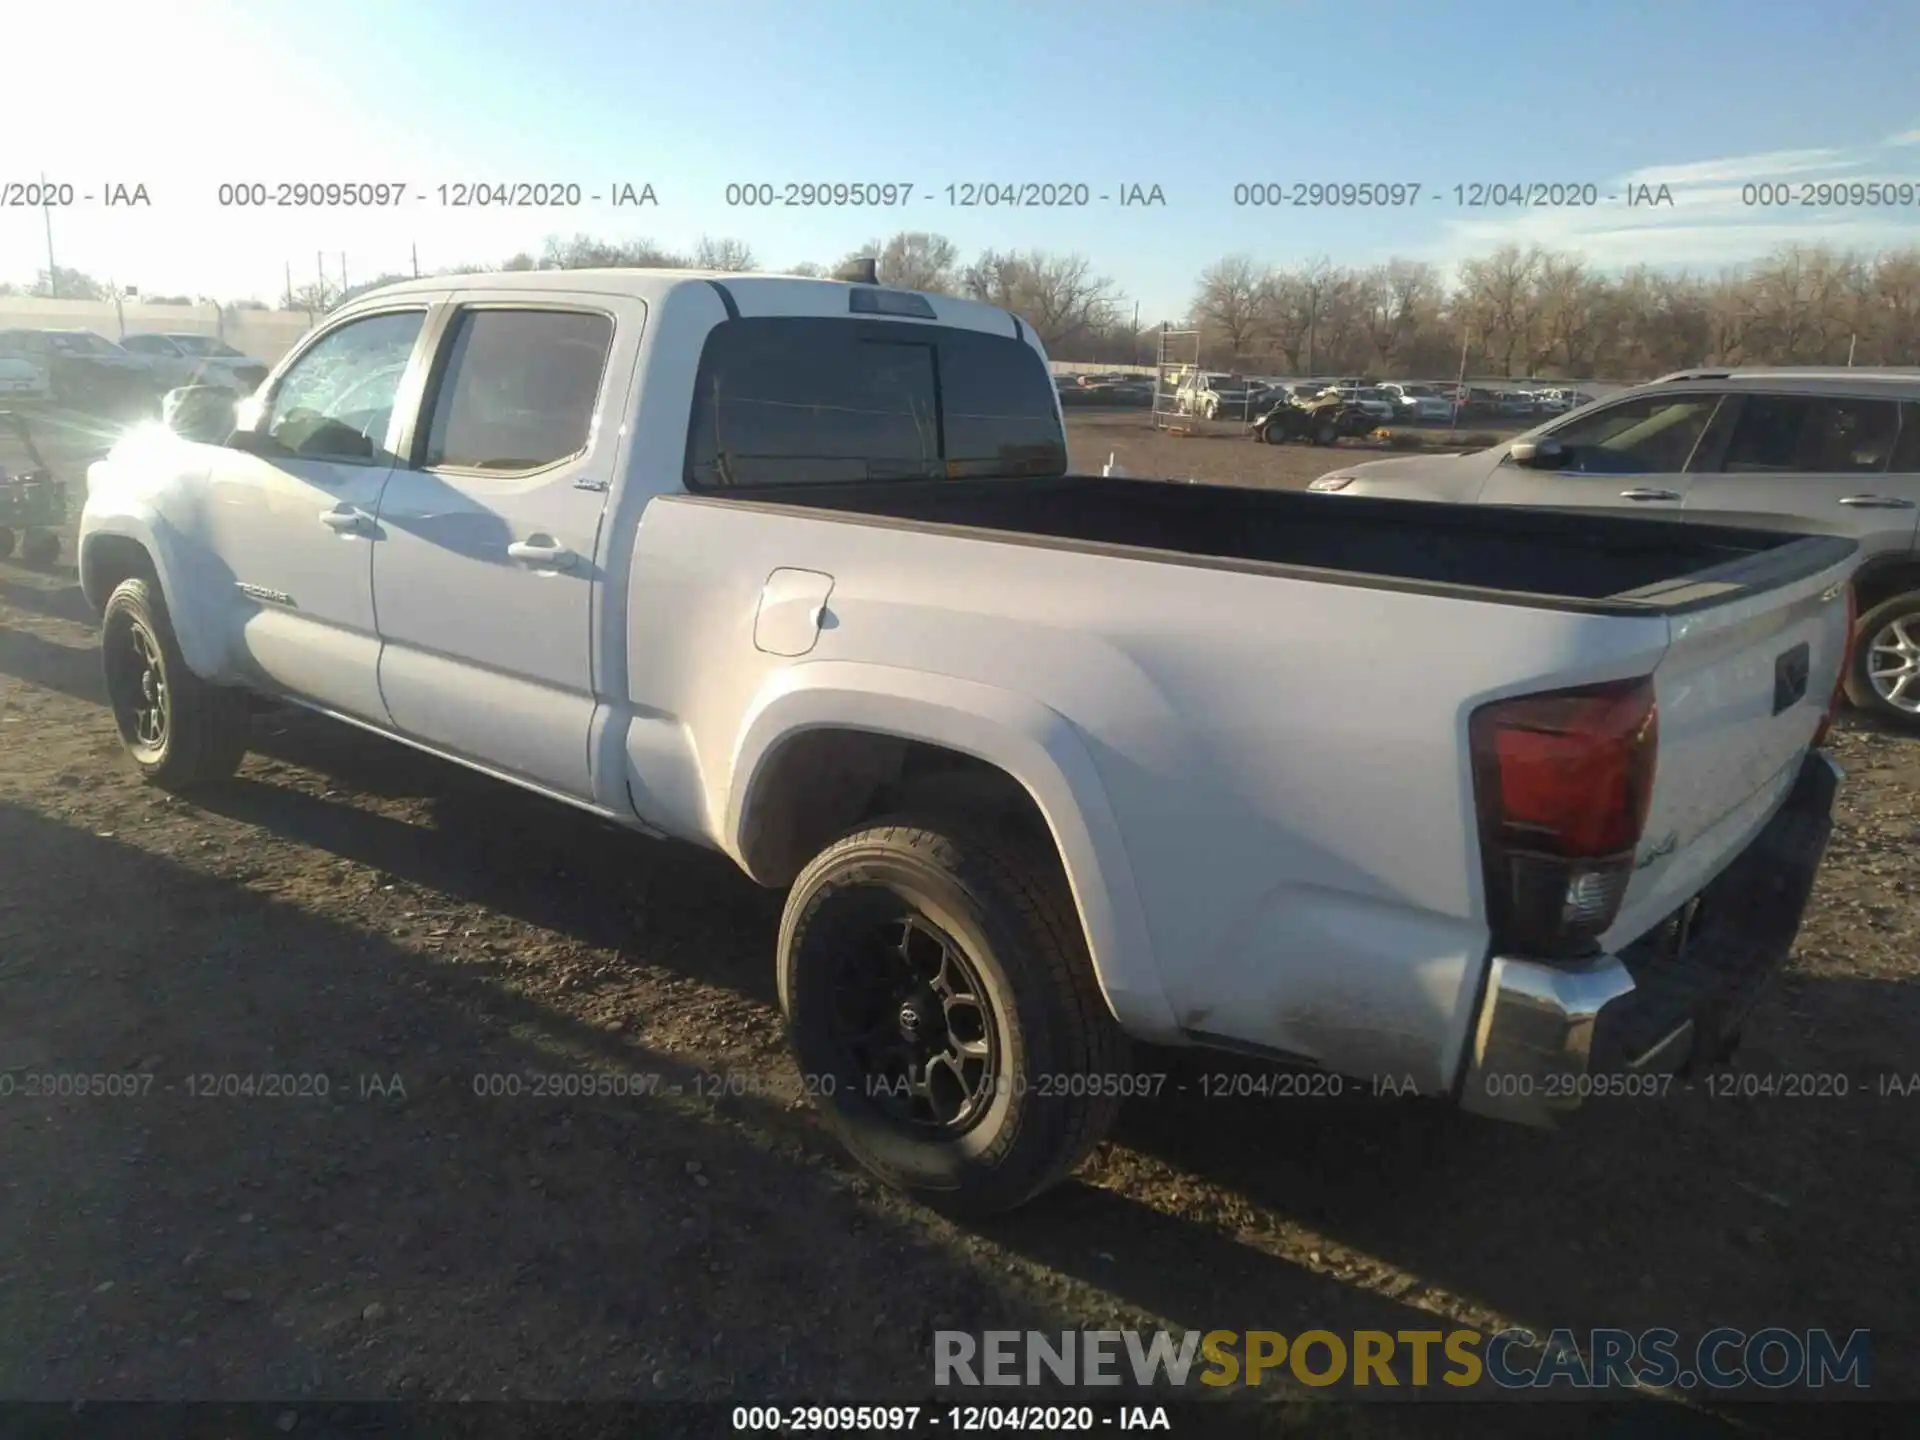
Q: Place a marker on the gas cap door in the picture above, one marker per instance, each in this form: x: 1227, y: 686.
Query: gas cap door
x: 793, y: 609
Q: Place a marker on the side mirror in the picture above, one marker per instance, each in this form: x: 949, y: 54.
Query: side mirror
x: 1543, y: 454
x: 251, y: 442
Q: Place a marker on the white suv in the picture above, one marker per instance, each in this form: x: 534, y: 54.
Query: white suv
x: 1817, y: 448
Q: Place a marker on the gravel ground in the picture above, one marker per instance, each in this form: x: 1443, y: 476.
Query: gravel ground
x: 421, y: 945
x: 1220, y: 454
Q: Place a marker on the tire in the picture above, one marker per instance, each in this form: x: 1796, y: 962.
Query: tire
x: 201, y: 731
x: 41, y: 547
x: 6, y: 542
x: 991, y: 913
x: 1326, y: 432
x: 1895, y: 624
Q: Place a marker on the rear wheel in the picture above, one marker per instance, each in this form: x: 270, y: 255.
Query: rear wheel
x: 1326, y: 432
x: 178, y: 729
x: 6, y: 542
x: 944, y: 1014
x: 1883, y: 672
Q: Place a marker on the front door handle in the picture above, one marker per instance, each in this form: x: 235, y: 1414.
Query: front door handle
x: 543, y: 551
x: 1649, y: 494
x: 1876, y: 502
x: 345, y: 519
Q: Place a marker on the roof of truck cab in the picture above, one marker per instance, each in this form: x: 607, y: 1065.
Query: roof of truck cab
x: 753, y: 294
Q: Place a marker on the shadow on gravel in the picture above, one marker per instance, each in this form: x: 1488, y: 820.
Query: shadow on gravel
x: 375, y: 1227
x: 73, y: 670
x: 62, y: 602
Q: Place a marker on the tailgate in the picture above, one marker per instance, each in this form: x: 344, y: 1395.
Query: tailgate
x: 1741, y: 691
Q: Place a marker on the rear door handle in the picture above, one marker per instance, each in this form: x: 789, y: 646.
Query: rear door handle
x: 345, y: 519
x: 1649, y: 494
x: 1876, y: 502
x: 544, y: 551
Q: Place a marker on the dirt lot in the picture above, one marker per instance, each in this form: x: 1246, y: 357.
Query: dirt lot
x: 406, y: 937
x: 1221, y: 455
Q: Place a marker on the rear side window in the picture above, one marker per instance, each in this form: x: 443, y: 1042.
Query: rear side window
x: 807, y: 401
x: 518, y: 390
x: 1812, y: 434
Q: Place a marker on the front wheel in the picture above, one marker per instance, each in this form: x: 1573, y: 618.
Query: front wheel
x: 943, y: 1011
x: 178, y: 729
x: 1883, y: 671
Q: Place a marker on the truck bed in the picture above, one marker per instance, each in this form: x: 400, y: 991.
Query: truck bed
x: 1592, y: 560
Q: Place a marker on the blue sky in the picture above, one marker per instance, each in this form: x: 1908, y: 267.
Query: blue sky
x: 1192, y: 98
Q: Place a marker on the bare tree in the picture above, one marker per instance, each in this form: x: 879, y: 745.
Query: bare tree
x: 1499, y: 298
x: 1230, y: 299
x: 730, y: 255
x: 69, y: 285
x: 1397, y: 297
x: 1795, y: 297
x: 808, y: 269
x: 913, y: 260
x: 1059, y: 295
x: 584, y: 252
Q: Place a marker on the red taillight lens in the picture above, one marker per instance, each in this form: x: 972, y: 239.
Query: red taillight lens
x: 1840, y: 682
x: 1562, y: 781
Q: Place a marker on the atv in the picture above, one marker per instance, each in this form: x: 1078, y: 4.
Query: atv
x: 33, y: 505
x: 1320, y: 421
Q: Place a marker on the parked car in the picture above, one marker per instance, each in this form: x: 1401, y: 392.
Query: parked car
x: 1477, y: 402
x: 1216, y: 396
x: 1378, y: 403
x: 84, y: 370
x: 180, y: 359
x: 23, y: 379
x: 1807, y: 449
x: 1416, y: 402
x: 987, y: 722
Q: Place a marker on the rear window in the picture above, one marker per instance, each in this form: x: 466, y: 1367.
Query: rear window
x: 790, y: 401
x: 1785, y: 434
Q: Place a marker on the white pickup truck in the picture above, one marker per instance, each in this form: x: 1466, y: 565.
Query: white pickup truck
x: 1506, y: 806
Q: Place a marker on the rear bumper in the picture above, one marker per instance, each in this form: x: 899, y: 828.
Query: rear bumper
x: 1550, y: 1036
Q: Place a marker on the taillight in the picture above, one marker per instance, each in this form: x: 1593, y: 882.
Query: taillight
x: 1840, y: 681
x: 1562, y: 782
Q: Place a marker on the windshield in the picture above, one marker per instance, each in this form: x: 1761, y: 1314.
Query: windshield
x: 205, y: 345
x: 82, y: 342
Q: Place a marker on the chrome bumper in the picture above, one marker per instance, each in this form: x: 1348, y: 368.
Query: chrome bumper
x: 1546, y: 1031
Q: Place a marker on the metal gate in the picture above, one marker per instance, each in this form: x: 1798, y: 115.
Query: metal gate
x: 1178, y: 362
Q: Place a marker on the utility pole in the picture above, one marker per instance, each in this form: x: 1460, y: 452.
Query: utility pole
x: 416, y: 259
x: 320, y: 268
x: 343, y: 274
x: 289, y: 285
x: 53, y: 271
x: 1852, y: 340
x: 1133, y: 340
x: 1460, y: 387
